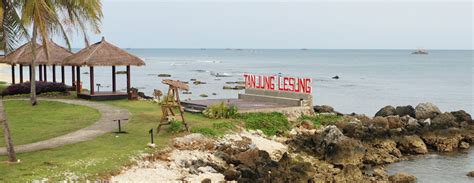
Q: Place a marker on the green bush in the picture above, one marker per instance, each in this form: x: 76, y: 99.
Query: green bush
x: 205, y: 131
x: 322, y: 119
x: 175, y: 127
x: 269, y: 123
x: 219, y: 111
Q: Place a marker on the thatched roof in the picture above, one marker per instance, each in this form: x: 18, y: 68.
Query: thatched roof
x: 14, y: 56
x: 103, y: 54
x: 57, y: 54
x: 24, y: 55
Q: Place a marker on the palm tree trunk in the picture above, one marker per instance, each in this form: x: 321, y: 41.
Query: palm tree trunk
x: 7, y: 134
x: 33, y: 70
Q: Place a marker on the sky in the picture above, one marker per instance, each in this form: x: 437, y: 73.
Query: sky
x: 272, y: 24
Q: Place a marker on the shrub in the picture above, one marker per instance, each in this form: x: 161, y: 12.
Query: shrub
x: 41, y: 87
x: 269, y: 123
x: 218, y: 111
x: 322, y: 119
x: 175, y: 127
x: 206, y: 131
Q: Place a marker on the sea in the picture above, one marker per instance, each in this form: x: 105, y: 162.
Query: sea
x: 368, y: 80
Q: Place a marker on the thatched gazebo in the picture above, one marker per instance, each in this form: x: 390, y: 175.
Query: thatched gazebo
x: 103, y: 54
x: 13, y: 57
x: 23, y: 56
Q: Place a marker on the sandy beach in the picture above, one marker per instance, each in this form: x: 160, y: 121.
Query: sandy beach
x: 4, y: 74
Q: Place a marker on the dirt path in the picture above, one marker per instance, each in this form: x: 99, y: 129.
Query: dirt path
x: 104, y: 125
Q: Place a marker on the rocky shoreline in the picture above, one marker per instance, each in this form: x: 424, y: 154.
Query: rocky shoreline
x: 354, y: 149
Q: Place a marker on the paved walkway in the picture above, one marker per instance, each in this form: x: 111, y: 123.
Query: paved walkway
x: 104, y: 125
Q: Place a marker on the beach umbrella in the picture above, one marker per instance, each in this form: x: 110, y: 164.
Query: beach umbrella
x: 103, y: 54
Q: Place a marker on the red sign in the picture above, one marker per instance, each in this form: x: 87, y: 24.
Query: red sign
x: 283, y: 83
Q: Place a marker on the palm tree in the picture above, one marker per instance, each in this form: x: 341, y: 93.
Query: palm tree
x: 49, y: 17
x: 46, y: 18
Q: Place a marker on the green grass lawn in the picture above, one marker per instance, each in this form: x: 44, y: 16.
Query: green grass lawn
x: 103, y: 156
x: 46, y: 120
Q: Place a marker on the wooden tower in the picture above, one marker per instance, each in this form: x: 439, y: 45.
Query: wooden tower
x: 171, y: 102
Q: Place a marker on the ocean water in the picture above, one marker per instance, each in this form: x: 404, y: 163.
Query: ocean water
x: 369, y: 79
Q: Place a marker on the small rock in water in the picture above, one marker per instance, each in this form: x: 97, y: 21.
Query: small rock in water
x: 187, y: 92
x: 164, y: 75
x: 121, y: 72
x: 402, y: 178
x: 470, y: 174
x: 203, y: 95
x: 335, y: 77
x: 214, y: 93
x: 199, y: 82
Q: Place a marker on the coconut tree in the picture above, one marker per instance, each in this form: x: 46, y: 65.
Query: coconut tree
x: 52, y: 17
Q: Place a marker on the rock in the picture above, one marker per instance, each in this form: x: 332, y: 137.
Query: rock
x: 444, y: 121
x: 426, y: 110
x: 413, y: 122
x: 425, y: 122
x: 121, y: 72
x: 307, y: 124
x: 386, y: 111
x: 462, y: 116
x: 193, y: 141
x: 203, y: 95
x: 412, y: 144
x: 402, y: 178
x: 350, y: 173
x: 323, y: 109
x: 394, y: 122
x: 464, y: 145
x: 199, y: 82
x: 470, y: 174
x: 231, y: 174
x: 187, y: 92
x: 335, y: 77
x: 332, y: 135
x: 347, y: 151
x: 206, y: 180
x: 164, y: 75
x: 405, y: 110
x: 381, y: 151
x: 443, y: 140
x: 380, y: 173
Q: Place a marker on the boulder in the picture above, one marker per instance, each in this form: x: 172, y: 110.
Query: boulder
x: 381, y: 151
x: 380, y: 122
x: 323, y: 109
x: 412, y: 144
x: 307, y: 124
x: 405, y: 110
x: 464, y: 145
x: 425, y: 122
x: 413, y: 122
x: 347, y: 151
x: 426, y: 110
x: 402, y: 178
x: 462, y: 116
x: 394, y: 122
x: 470, y: 174
x: 350, y: 173
x: 444, y: 121
x: 443, y: 140
x: 386, y: 111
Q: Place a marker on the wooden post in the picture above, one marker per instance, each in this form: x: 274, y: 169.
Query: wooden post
x: 114, y: 86
x: 73, y: 76
x: 91, y: 74
x: 63, y: 79
x: 30, y: 72
x: 78, y: 77
x: 40, y: 72
x: 13, y: 74
x: 54, y: 73
x: 128, y: 82
x: 45, y: 74
x: 21, y: 73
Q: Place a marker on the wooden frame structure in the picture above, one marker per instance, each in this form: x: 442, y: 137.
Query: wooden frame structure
x: 172, y: 102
